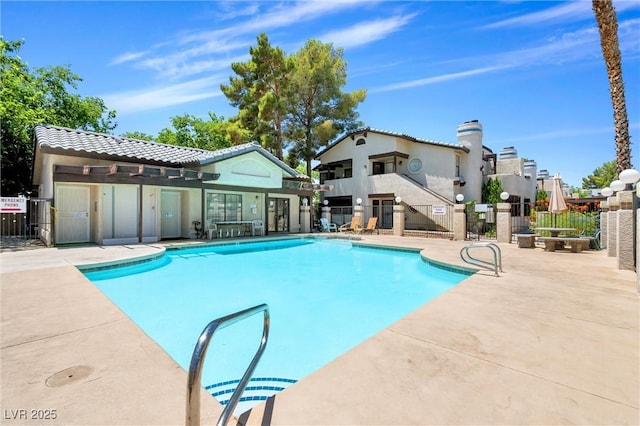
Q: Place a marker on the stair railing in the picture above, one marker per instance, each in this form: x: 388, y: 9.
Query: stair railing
x: 197, y: 361
x: 492, y: 266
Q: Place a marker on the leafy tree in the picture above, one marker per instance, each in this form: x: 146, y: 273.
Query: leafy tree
x: 491, y: 191
x: 601, y: 177
x: 194, y: 132
x: 39, y: 96
x: 608, y: 25
x: 319, y: 109
x: 581, y: 193
x: 138, y: 135
x: 260, y: 92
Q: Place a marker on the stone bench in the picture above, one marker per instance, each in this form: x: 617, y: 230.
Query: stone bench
x: 576, y: 244
x: 526, y: 240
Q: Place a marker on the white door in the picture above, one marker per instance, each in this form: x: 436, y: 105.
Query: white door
x: 72, y: 214
x: 170, y: 202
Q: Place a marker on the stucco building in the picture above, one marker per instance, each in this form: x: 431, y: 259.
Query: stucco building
x: 377, y: 166
x: 113, y: 190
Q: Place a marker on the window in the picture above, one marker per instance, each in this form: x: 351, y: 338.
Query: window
x: 457, y: 166
x: 360, y: 142
x: 378, y: 168
x: 224, y: 207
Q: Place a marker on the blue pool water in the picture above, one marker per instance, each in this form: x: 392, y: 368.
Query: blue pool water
x: 325, y: 297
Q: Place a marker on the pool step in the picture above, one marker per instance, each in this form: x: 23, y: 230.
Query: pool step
x: 258, y: 389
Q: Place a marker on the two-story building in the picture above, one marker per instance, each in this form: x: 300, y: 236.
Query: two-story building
x: 377, y: 166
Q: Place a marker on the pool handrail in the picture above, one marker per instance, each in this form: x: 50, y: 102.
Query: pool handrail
x: 497, y: 257
x: 197, y: 361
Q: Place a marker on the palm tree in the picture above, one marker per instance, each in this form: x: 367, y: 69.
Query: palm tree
x: 608, y: 26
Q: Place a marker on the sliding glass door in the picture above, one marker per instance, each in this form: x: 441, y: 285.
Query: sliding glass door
x: 278, y: 215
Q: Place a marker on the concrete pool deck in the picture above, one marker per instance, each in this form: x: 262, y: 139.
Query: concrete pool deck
x: 553, y: 340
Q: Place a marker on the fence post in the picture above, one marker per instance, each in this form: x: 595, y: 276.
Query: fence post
x: 398, y: 220
x: 625, y: 231
x: 459, y: 222
x: 612, y: 226
x: 305, y: 218
x: 326, y: 213
x: 604, y: 225
x: 503, y: 223
x: 358, y: 211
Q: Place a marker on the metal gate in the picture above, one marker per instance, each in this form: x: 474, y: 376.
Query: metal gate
x: 27, y: 230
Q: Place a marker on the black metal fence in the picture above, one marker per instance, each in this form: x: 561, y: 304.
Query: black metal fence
x: 481, y: 220
x: 24, y: 230
x: 436, y: 220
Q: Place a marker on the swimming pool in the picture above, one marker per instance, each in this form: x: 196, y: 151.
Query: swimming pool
x: 325, y: 296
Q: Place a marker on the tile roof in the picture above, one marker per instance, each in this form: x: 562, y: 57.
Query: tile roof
x: 121, y: 148
x: 389, y: 133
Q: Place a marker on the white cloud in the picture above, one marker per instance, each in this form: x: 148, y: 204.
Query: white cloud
x: 366, y: 32
x: 566, y: 12
x: 195, y: 52
x: 568, y: 47
x: 127, y: 57
x: 159, y: 97
x: 436, y: 79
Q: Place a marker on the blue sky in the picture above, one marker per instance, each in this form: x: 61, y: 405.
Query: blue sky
x: 531, y: 72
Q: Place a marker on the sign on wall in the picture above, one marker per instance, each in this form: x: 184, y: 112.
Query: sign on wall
x: 13, y: 205
x: 439, y: 210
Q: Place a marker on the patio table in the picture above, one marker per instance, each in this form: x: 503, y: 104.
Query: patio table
x: 555, y: 231
x: 235, y: 225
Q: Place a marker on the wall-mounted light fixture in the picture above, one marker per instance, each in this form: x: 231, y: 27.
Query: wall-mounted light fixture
x: 504, y: 196
x: 459, y: 198
x: 398, y: 199
x: 359, y: 201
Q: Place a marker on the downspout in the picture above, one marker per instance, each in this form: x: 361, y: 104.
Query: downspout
x: 140, y: 211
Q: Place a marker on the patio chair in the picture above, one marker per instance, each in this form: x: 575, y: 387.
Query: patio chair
x: 258, y: 225
x: 212, y: 229
x: 353, y: 226
x: 328, y: 227
x: 371, y: 226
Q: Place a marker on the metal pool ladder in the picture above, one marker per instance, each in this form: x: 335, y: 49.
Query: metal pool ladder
x: 492, y: 266
x: 197, y: 361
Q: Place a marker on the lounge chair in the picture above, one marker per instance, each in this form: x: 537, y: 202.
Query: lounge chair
x: 328, y: 227
x: 353, y: 226
x: 371, y: 226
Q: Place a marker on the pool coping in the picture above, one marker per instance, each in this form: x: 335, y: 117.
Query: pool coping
x: 480, y: 341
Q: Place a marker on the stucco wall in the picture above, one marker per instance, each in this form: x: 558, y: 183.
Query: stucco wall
x: 251, y: 169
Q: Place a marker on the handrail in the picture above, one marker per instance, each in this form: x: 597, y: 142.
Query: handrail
x: 497, y: 257
x: 197, y: 361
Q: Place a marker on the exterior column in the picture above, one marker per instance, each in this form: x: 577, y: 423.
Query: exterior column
x: 604, y: 228
x: 625, y: 231
x: 503, y: 223
x: 305, y: 218
x: 637, y: 229
x: 459, y: 222
x: 358, y: 211
x: 612, y: 226
x: 398, y: 220
x: 326, y: 213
